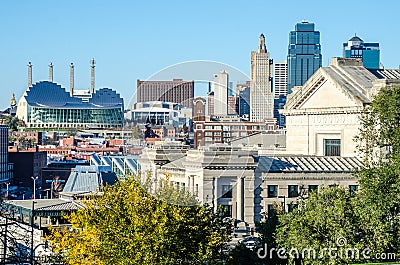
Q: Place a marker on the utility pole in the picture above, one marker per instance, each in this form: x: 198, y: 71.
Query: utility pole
x: 5, y: 241
x: 32, y: 230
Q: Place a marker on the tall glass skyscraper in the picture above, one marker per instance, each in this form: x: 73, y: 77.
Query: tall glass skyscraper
x: 304, y: 54
x: 368, y: 52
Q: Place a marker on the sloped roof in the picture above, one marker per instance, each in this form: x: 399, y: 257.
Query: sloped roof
x: 90, y: 178
x: 284, y: 164
x: 354, y: 80
x: 309, y: 164
x: 44, y: 207
x: 349, y: 75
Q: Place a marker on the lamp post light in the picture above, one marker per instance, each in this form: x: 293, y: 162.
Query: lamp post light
x: 284, y: 202
x: 32, y: 228
x: 7, y: 190
x: 34, y: 186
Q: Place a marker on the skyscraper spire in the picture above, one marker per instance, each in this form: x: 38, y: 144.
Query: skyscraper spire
x: 261, y: 44
x: 261, y: 96
x: 13, y: 102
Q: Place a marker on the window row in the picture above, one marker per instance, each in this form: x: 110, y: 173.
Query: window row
x: 293, y: 190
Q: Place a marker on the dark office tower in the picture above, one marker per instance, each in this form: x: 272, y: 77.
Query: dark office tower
x: 304, y: 54
x: 4, y: 170
x: 368, y: 52
x: 244, y: 103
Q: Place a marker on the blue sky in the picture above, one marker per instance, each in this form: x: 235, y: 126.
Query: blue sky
x: 134, y: 39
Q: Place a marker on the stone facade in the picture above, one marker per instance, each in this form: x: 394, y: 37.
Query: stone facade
x: 239, y: 179
x: 329, y: 104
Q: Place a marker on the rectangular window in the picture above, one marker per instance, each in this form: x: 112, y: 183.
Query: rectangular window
x: 208, y: 127
x: 227, y: 209
x: 311, y: 188
x: 332, y: 147
x: 293, y: 191
x: 196, y: 191
x: 291, y: 207
x: 270, y: 209
x: 208, y: 133
x: 227, y: 191
x: 235, y: 134
x: 353, y: 189
x: 217, y: 127
x: 272, y: 191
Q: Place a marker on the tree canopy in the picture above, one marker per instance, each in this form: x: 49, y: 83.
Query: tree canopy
x: 379, y: 196
x: 368, y: 221
x: 325, y: 220
x: 127, y: 225
x: 12, y: 122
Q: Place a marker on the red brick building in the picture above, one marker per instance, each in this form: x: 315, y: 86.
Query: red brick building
x: 177, y: 91
x: 210, y: 132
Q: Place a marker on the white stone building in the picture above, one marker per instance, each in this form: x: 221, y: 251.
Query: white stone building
x: 244, y: 183
x: 322, y: 116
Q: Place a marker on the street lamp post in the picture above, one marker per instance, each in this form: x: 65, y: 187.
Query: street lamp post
x: 284, y: 202
x: 34, y: 186
x: 7, y: 190
x: 32, y: 228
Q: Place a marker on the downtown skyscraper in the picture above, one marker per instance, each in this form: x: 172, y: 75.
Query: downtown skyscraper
x: 368, y: 52
x: 220, y: 88
x: 261, y: 92
x: 280, y: 79
x: 304, y: 54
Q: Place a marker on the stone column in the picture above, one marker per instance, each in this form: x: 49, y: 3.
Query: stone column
x: 239, y: 197
x: 215, y: 194
x: 193, y: 185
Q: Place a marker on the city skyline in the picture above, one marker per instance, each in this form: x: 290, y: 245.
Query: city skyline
x: 131, y: 41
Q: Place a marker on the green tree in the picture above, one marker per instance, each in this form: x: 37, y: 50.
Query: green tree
x: 379, y: 196
x: 325, y: 220
x: 370, y: 220
x: 136, y: 133
x: 128, y: 225
x: 267, y: 229
x: 12, y: 122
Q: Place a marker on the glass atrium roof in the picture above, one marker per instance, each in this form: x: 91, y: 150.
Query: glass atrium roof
x: 52, y: 95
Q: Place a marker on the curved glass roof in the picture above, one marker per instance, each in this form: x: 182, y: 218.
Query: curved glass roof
x: 48, y: 94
